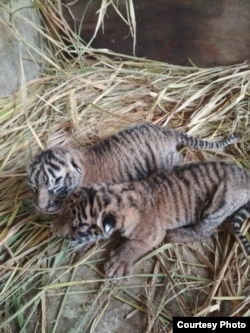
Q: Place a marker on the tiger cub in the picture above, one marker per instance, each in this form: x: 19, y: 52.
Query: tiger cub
x: 131, y: 154
x: 184, y: 204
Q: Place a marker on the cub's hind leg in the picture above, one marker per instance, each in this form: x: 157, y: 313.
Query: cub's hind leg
x: 194, y: 232
x: 222, y: 205
x: 237, y: 219
x: 212, y: 217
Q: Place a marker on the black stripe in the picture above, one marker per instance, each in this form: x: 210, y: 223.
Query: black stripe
x: 209, y: 175
x: 36, y: 177
x: 98, y: 202
x: 105, y: 146
x: 171, y: 188
x: 194, y: 173
x: 188, y: 196
x: 153, y: 157
x: 206, y: 202
x: 148, y: 164
x: 51, y: 172
x: 82, y: 212
x: 140, y: 165
x: 199, y: 190
x: 127, y: 137
x: 78, y: 214
x: 74, y: 164
x: 185, y: 181
x: 115, y: 138
x: 90, y: 197
x: 139, y: 173
x: 205, y: 182
x: 54, y: 166
x: 219, y: 170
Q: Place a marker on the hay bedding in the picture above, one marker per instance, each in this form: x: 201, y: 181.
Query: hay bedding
x: 45, y: 286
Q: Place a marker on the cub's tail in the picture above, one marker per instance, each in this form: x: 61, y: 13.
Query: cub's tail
x: 237, y: 219
x: 191, y: 141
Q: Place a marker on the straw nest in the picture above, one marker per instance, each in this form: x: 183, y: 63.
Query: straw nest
x: 78, y: 102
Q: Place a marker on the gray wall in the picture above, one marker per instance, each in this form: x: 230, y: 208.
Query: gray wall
x: 18, y: 36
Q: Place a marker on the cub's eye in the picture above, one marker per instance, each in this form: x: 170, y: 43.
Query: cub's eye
x: 60, y: 191
x: 57, y: 180
x: 56, y: 190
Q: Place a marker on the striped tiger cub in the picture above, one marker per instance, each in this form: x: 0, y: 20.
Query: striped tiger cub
x: 184, y: 204
x: 131, y: 154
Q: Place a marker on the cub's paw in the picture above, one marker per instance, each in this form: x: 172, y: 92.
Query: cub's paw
x: 117, y: 266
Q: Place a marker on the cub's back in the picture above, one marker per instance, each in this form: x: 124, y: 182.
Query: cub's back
x: 189, y: 189
x: 133, y: 154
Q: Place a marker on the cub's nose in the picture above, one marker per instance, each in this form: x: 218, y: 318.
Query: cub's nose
x: 47, y: 202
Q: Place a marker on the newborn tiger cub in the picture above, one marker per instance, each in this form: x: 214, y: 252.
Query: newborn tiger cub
x: 131, y: 154
x: 184, y: 204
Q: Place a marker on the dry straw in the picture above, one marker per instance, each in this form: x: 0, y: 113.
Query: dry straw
x: 47, y: 287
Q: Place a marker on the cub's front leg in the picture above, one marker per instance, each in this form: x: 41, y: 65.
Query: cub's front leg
x: 122, y: 259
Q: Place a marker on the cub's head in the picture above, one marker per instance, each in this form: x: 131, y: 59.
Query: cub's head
x: 53, y: 175
x: 86, y: 216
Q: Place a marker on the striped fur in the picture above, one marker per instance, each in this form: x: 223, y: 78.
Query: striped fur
x: 184, y: 204
x: 131, y: 154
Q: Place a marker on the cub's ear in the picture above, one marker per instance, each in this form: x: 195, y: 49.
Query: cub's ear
x: 108, y: 222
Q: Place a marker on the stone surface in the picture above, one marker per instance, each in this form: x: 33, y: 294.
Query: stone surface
x: 17, y: 39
